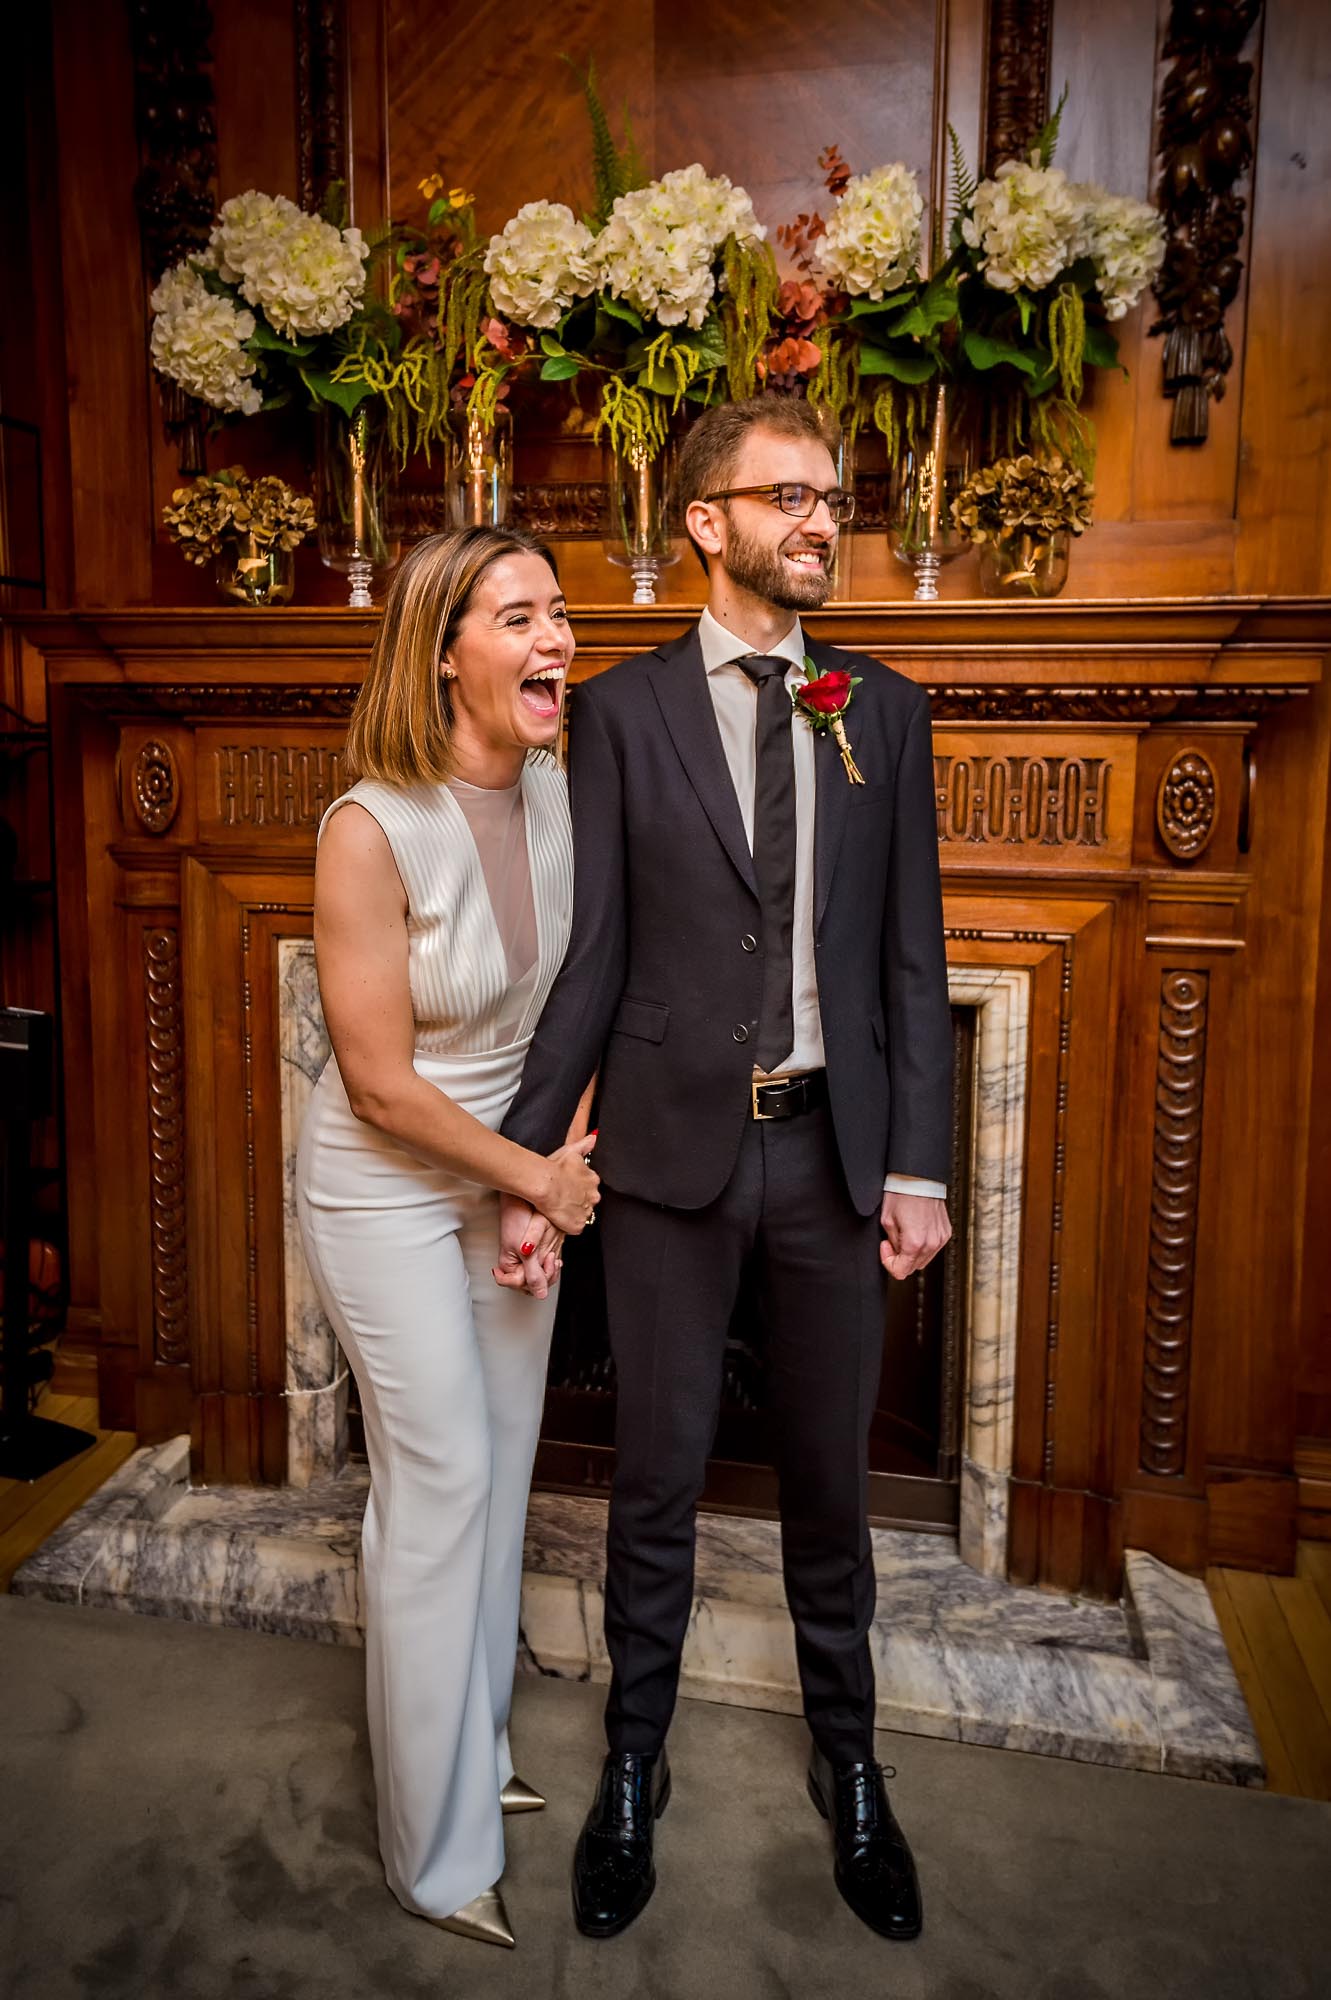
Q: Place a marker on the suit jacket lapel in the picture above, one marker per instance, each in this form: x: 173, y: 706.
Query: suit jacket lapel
x: 832, y: 794
x: 679, y: 681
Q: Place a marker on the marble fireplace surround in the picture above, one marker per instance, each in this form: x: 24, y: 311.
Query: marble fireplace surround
x: 316, y: 1375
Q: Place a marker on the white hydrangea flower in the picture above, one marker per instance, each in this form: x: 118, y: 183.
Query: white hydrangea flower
x: 1025, y: 222
x: 658, y: 250
x: 197, y: 340
x: 307, y: 275
x: 539, y: 263
x: 872, y: 242
x: 1125, y: 240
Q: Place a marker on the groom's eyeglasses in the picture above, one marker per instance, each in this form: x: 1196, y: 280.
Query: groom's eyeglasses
x: 794, y: 498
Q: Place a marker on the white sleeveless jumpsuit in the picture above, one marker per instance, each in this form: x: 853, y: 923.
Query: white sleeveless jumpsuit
x: 450, y: 1367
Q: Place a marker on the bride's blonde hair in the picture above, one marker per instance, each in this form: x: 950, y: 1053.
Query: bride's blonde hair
x: 401, y: 729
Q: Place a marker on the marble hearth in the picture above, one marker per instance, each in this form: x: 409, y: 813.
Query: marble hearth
x: 1146, y: 1684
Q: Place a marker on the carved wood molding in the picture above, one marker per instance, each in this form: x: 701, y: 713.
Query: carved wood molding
x: 1186, y: 802
x: 1008, y: 800
x: 166, y: 1143
x: 321, y: 98
x: 1205, y: 147
x: 1231, y: 703
x: 1179, y: 1085
x: 1017, y: 77
x: 324, y: 701
x: 176, y: 191
x: 155, y: 787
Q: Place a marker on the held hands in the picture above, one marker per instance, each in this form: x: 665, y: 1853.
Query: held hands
x: 915, y: 1228
x: 531, y: 1239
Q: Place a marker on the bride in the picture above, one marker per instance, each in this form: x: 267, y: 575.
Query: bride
x: 442, y: 901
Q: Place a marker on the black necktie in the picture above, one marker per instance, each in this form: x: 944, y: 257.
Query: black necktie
x: 774, y: 855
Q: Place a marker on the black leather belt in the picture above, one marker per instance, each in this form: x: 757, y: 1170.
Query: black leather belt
x: 790, y: 1096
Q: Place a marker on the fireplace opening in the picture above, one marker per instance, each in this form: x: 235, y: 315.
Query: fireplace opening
x: 915, y: 1440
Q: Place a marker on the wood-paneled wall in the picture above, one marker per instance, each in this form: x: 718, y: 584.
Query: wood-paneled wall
x: 1248, y: 512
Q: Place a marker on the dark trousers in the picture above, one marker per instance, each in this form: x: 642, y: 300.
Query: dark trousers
x: 672, y: 1278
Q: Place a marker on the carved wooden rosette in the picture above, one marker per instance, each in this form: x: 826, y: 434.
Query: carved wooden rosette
x: 1185, y: 805
x: 166, y: 1143
x: 155, y: 787
x: 1205, y: 147
x: 1017, y: 96
x: 1179, y: 1086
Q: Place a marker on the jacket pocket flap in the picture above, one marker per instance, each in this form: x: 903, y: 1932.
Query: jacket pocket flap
x: 645, y: 1018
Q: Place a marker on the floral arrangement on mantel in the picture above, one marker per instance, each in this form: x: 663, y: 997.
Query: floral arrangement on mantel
x: 1037, y: 269
x: 279, y: 301
x: 664, y: 293
x: 222, y: 508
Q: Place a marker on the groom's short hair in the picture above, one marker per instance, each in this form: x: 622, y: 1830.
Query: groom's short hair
x: 710, y: 451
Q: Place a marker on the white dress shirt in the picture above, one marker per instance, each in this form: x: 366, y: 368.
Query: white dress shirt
x: 735, y: 700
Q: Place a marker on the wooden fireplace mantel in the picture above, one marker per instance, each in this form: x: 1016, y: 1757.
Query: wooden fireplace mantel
x: 1130, y: 798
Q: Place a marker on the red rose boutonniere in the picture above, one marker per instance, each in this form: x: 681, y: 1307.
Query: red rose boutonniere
x: 823, y: 701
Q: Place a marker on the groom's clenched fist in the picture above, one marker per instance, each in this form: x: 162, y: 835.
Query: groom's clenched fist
x: 915, y: 1229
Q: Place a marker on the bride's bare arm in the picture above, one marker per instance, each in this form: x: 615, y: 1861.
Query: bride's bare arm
x: 360, y: 942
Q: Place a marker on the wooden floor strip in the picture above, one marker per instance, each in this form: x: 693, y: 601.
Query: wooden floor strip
x: 1289, y: 1689
x: 1315, y: 1563
x: 1281, y: 1774
x: 1310, y: 1623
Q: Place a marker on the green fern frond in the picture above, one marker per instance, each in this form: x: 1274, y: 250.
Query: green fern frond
x: 1046, y: 139
x: 963, y: 180
x: 614, y: 171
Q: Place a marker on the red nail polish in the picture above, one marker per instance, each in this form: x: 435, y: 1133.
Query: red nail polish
x: 597, y: 1130
x: 528, y: 1249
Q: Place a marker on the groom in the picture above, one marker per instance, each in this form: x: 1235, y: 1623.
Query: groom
x: 756, y: 966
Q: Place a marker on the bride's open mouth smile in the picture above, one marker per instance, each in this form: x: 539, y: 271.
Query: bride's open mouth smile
x: 541, y: 691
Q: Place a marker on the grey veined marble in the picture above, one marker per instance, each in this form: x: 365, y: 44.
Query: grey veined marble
x: 1146, y: 1684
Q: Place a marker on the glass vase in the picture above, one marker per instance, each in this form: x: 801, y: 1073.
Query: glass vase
x: 933, y: 467
x: 251, y: 573
x: 480, y: 471
x: 842, y: 449
x: 1025, y: 565
x: 357, y: 497
x: 639, y: 538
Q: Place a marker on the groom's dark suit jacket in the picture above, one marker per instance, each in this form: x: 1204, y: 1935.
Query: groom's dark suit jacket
x: 662, y: 982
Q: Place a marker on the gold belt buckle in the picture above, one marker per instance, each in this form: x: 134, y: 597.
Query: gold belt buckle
x: 763, y: 1117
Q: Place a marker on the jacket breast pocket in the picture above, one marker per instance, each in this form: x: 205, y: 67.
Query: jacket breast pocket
x: 647, y: 1019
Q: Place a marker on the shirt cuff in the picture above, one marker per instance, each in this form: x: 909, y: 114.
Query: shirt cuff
x: 912, y: 1184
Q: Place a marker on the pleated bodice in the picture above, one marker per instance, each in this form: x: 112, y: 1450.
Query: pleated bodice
x: 461, y: 942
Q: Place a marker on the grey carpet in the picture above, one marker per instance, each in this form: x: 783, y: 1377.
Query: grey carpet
x: 187, y: 1812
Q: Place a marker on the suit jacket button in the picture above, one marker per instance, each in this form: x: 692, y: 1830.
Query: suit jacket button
x: 749, y: 943
x: 740, y: 1032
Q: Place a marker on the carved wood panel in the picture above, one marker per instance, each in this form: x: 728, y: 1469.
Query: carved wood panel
x: 1017, y: 93
x: 164, y: 1018
x: 1180, y: 1081
x: 1003, y: 797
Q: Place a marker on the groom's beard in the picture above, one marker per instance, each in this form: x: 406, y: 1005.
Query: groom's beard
x: 758, y: 568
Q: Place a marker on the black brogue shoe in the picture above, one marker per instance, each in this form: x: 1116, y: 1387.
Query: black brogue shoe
x: 875, y: 1870
x: 613, y: 1870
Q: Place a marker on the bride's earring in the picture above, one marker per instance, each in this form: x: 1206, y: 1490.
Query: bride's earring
x: 448, y: 673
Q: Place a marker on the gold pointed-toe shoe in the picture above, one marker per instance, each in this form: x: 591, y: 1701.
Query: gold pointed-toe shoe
x: 519, y: 1796
x: 483, y: 1918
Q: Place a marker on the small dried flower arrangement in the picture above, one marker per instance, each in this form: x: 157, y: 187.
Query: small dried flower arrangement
x: 223, y: 508
x: 1024, y: 496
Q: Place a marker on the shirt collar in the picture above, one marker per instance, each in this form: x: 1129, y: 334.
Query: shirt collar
x: 721, y: 647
